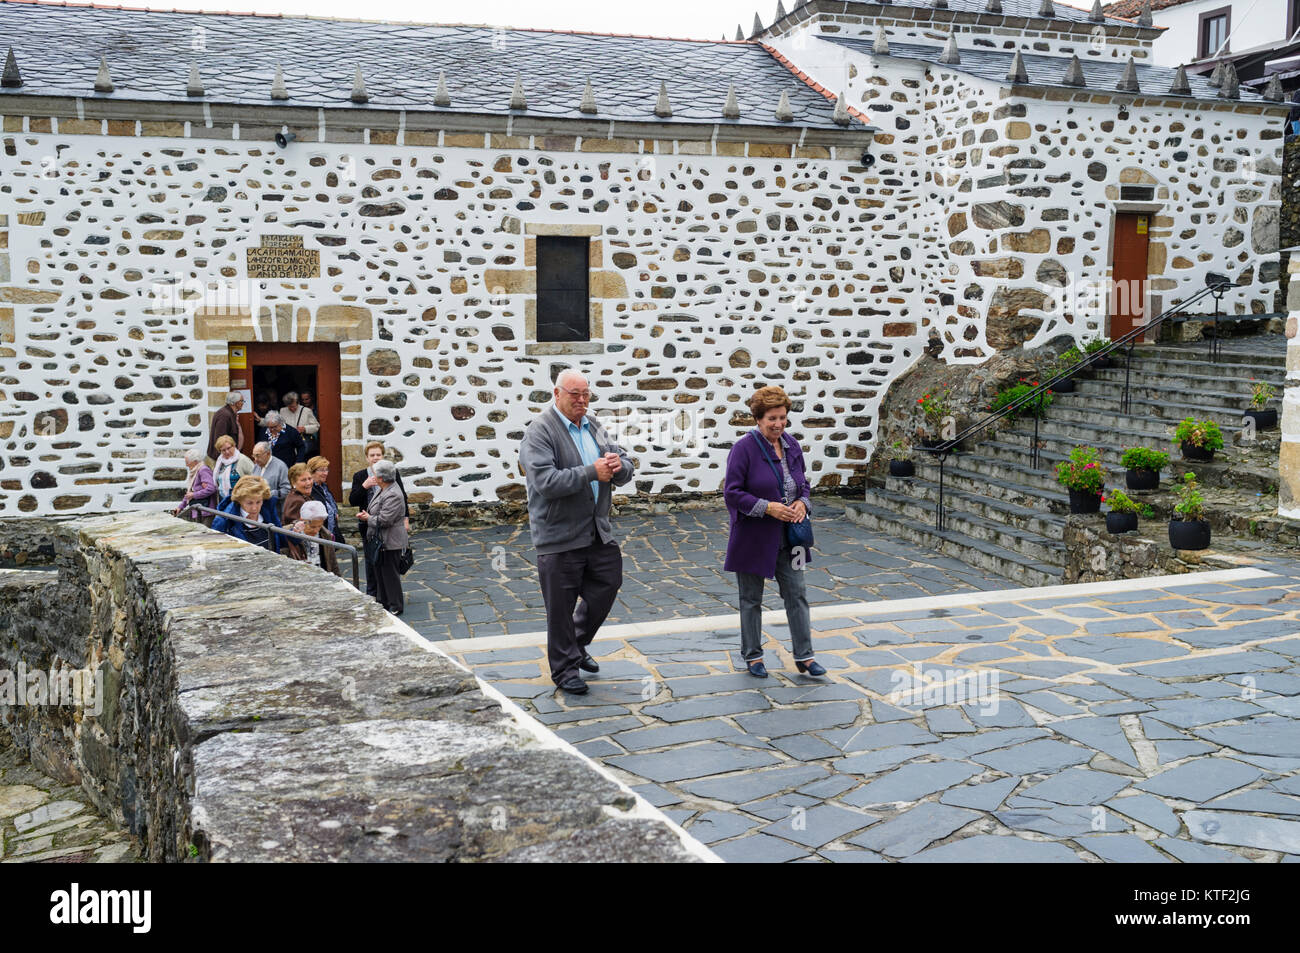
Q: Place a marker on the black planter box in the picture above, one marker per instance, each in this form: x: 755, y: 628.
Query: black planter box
x: 1082, y: 501
x: 1064, y: 387
x: 902, y: 468
x: 1264, y: 419
x: 1189, y: 534
x: 1117, y: 523
x: 1142, y: 479
x: 1193, y: 452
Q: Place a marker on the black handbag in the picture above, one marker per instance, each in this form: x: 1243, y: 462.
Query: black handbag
x: 407, y: 560
x: 797, y: 535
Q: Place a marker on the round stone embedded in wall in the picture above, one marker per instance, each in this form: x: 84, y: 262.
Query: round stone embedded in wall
x: 384, y: 362
x: 43, y: 481
x: 1097, y: 171
x: 392, y: 401
x: 379, y: 427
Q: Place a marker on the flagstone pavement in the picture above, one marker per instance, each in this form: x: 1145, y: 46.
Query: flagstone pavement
x: 1140, y: 721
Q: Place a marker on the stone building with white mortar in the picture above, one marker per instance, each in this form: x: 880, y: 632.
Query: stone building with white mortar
x: 433, y: 219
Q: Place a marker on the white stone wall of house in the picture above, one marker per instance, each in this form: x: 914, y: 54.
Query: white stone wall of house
x: 1253, y: 23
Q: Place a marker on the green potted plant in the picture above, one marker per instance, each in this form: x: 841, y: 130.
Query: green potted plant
x: 1034, y: 408
x: 1092, y: 347
x: 900, y: 459
x: 1261, y: 393
x: 935, y: 407
x: 1123, y: 515
x: 1067, y: 363
x: 1082, y: 475
x: 1143, y: 466
x: 1198, y: 439
x: 1189, y: 529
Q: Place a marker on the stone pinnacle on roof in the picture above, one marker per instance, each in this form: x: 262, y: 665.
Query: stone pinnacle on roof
x: 1017, y: 73
x: 731, y: 109
x: 663, y: 108
x: 1074, y: 74
x: 1128, y: 83
x: 443, y: 96
x: 1216, y: 78
x: 758, y: 24
x: 841, y: 116
x: 1180, y: 86
x: 881, y: 45
x: 103, y: 81
x: 517, y: 98
x: 994, y: 6
x: 1273, y: 90
x: 950, y: 53
x: 194, y: 85
x: 1231, y: 88
x: 359, y: 94
x: 780, y: 10
x: 277, y: 85
x: 940, y: 4
x: 783, y: 111
x: 1047, y: 10
x: 1144, y: 18
x: 11, y: 79
x: 588, y: 105
x: 740, y: 33
x: 1098, y: 15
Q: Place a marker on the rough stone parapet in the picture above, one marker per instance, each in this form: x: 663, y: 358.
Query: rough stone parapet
x: 254, y: 708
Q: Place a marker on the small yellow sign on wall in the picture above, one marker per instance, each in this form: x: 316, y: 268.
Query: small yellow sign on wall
x: 1142, y: 225
x: 238, y: 358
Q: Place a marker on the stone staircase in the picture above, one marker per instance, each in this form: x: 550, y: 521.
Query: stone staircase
x: 1009, y: 518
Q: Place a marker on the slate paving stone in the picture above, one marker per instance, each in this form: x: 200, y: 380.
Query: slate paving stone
x: 1156, y: 730
x: 852, y: 856
x: 987, y: 796
x: 818, y: 826
x: 880, y: 635
x: 1258, y: 802
x: 710, y: 684
x: 876, y: 761
x: 680, y: 670
x: 1006, y: 713
x: 707, y: 707
x: 912, y: 782
x: 1254, y: 661
x: 1113, y: 626
x: 1091, y: 693
x: 597, y: 729
x: 759, y: 849
x: 987, y: 741
x: 873, y: 737
x: 1000, y: 633
x: 1113, y: 650
x: 1119, y: 708
x: 802, y: 694
x: 1266, y: 735
x: 1289, y: 785
x: 914, y: 830
x: 829, y: 787
x: 775, y: 724
x: 599, y: 748
x: 659, y: 736
x: 995, y: 849
x: 1289, y: 707
x: 696, y: 761
x: 1051, y: 703
x: 523, y: 689
x: 1062, y: 821
x: 1192, y: 712
x: 756, y: 784
x: 1190, y: 852
x: 1170, y: 751
x: 1034, y: 757
x: 1021, y: 685
x: 1103, y: 734
x: 1044, y: 669
x: 1052, y: 626
x: 1278, y: 683
x: 620, y: 670
x: 806, y: 747
x: 678, y: 816
x: 713, y: 826
x: 882, y: 712
x: 1121, y: 849
x: 1244, y: 830
x: 985, y: 653
x: 779, y: 807
x: 1276, y: 765
x: 1078, y: 786
x: 947, y: 721
x: 886, y: 682
x: 657, y: 796
x: 1201, y: 780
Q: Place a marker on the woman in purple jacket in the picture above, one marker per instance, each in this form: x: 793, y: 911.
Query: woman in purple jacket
x: 765, y: 489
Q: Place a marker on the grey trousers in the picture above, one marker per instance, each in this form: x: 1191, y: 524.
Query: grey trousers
x: 790, y: 581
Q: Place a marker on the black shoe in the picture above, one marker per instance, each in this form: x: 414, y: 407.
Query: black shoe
x: 574, y: 685
x: 812, y: 667
x: 588, y: 664
x: 757, y: 668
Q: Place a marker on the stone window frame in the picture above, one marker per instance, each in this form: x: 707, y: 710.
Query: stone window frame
x: 1202, y: 51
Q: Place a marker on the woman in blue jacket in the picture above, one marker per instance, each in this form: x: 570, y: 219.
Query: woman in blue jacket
x: 251, y: 499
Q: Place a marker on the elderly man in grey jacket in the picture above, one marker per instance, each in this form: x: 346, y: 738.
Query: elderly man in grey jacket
x: 272, y: 470
x: 571, y: 467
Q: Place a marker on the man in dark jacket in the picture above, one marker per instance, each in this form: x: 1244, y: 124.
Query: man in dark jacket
x: 285, y: 442
x: 225, y: 422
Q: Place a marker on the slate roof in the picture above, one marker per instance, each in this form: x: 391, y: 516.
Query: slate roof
x: 1010, y: 8
x: 149, y: 54
x: 1049, y: 70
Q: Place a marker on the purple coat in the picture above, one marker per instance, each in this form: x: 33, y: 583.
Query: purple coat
x: 756, y: 540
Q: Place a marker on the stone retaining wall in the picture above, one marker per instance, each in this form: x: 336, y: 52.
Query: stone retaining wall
x: 256, y: 709
x: 1095, y: 555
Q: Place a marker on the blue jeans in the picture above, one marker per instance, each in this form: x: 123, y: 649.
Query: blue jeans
x: 790, y: 581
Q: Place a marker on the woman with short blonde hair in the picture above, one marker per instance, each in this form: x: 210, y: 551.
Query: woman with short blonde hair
x: 300, y: 484
x: 229, y: 466
x: 319, y: 467
x: 251, y: 499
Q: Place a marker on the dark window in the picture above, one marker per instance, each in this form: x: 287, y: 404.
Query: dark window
x: 1136, y: 193
x: 1214, y: 33
x: 563, y: 289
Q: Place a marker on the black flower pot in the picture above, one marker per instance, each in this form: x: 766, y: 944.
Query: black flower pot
x: 1064, y: 387
x: 1121, y: 522
x: 932, y: 441
x: 1264, y: 419
x: 1189, y: 534
x: 1142, y: 479
x: 1085, y: 501
x: 1199, y: 454
x: 902, y: 468
x: 1103, y: 363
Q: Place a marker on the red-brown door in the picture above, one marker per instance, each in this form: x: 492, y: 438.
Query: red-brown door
x: 1128, y: 289
x: 325, y: 359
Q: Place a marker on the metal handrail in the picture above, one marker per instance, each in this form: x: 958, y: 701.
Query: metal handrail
x: 351, y: 550
x: 1129, y: 341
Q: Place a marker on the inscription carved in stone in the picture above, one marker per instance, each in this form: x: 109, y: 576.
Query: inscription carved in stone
x: 283, y: 256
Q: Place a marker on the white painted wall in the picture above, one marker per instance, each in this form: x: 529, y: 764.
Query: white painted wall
x: 1254, y: 23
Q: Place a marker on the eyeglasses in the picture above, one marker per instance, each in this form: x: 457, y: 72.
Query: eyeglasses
x: 578, y: 394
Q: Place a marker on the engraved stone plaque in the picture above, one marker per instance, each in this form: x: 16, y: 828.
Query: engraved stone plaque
x: 282, y: 256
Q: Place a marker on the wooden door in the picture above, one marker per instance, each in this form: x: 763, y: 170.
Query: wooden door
x: 1128, y: 289
x: 325, y: 359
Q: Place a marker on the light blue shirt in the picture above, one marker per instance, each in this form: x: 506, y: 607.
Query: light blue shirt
x: 586, y: 444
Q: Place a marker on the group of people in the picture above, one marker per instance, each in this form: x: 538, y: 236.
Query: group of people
x: 571, y: 466
x: 292, y: 433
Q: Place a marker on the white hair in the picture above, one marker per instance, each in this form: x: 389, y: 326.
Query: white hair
x: 386, y: 470
x: 566, y: 375
x: 234, y: 397
x: 290, y: 398
x: 271, y: 418
x: 312, y: 510
x: 260, y: 446
x: 194, y: 456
